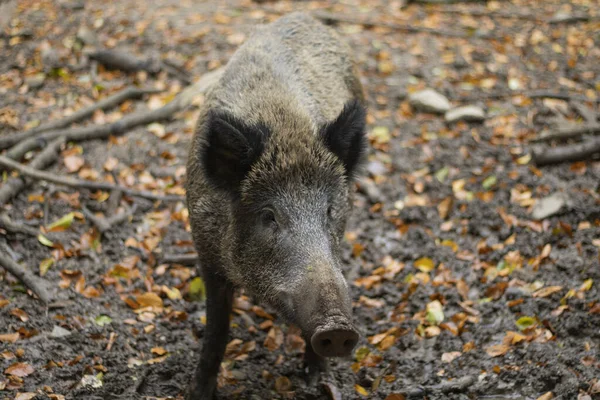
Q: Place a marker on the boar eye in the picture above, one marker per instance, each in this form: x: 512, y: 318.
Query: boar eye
x: 329, y: 211
x: 267, y: 218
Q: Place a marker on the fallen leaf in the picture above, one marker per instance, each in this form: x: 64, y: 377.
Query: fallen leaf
x: 547, y: 291
x: 25, y: 396
x: 274, y: 338
x: 434, y: 312
x: 449, y: 357
x: 424, y: 264
x: 9, y: 337
x: 497, y: 350
x: 283, y: 384
x: 62, y: 224
x: 159, y: 351
x: 525, y: 322
x: 395, y: 396
x: 546, y: 396
x: 45, y: 265
x: 360, y: 390
x: 74, y: 163
x: 22, y: 315
x: 19, y: 369
x: 149, y: 300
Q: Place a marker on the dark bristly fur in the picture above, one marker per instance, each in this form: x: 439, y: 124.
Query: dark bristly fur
x: 269, y: 176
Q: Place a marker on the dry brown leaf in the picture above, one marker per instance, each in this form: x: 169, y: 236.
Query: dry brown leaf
x: 19, y: 369
x: 149, y: 300
x: 546, y: 396
x: 449, y: 357
x: 25, y: 396
x: 283, y: 384
x: 74, y: 163
x: 547, y: 291
x: 22, y: 315
x: 395, y: 396
x: 159, y: 351
x: 274, y: 338
x: 9, y: 337
x: 497, y: 350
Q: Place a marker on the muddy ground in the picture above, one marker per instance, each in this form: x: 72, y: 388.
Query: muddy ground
x: 443, y: 214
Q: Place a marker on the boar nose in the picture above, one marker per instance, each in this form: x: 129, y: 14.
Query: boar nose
x: 334, y: 342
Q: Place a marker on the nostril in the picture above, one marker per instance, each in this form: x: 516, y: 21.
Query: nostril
x: 326, y: 342
x: 349, y: 343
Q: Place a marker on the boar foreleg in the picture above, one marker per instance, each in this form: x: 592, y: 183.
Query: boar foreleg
x: 219, y: 297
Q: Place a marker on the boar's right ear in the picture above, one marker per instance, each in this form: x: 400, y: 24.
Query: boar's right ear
x: 345, y: 137
x: 230, y: 148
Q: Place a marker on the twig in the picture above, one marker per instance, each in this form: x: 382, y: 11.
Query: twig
x: 456, y: 385
x: 585, y: 112
x: 570, y: 153
x: 12, y: 187
x: 104, y: 104
x: 533, y: 94
x: 33, y: 283
x: 183, y: 259
x: 329, y: 17
x: 106, y: 224
x: 128, y: 122
x: 82, y: 184
x: 14, y: 227
x: 491, y: 14
x: 569, y: 133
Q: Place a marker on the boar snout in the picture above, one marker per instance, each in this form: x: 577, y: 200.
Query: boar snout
x: 334, y: 341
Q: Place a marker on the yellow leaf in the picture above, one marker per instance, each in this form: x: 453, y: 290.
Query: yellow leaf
x: 424, y: 264
x: 361, y: 390
x: 62, y: 224
x: 587, y: 285
x: 435, y: 313
x: 45, y: 241
x: 45, y: 265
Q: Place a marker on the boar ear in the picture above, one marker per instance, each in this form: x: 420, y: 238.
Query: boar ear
x: 345, y: 137
x: 230, y: 149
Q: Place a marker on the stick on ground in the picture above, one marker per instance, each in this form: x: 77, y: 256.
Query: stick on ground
x: 569, y: 133
x: 183, y: 259
x: 128, y: 122
x: 331, y: 17
x: 82, y: 184
x: 13, y: 186
x: 570, y: 153
x: 104, y: 104
x: 32, y: 282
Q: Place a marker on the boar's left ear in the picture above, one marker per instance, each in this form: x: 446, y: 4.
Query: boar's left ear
x: 230, y: 148
x: 345, y: 137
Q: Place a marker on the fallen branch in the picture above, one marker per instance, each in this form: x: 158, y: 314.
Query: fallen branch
x: 585, y: 112
x: 128, y: 122
x: 183, y: 259
x: 82, y: 184
x: 456, y: 385
x: 104, y: 104
x: 491, y: 14
x: 14, y: 227
x: 570, y: 153
x: 532, y: 94
x: 13, y: 186
x: 328, y: 17
x: 569, y: 133
x: 126, y: 62
x: 105, y: 224
x: 30, y: 281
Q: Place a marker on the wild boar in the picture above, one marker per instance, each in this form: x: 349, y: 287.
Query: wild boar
x: 271, y: 168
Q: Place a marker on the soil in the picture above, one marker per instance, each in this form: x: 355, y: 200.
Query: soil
x: 490, y: 258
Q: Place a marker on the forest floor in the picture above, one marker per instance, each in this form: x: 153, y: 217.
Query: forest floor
x: 474, y: 271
